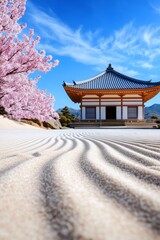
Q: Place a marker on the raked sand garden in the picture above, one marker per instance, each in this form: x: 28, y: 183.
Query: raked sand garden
x: 84, y: 184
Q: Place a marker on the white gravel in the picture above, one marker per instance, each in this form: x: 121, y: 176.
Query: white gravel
x: 95, y: 184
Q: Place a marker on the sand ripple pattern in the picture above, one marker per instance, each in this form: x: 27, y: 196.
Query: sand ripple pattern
x: 97, y: 184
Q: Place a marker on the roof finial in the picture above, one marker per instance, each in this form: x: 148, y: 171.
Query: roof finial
x: 109, y: 67
x: 64, y: 84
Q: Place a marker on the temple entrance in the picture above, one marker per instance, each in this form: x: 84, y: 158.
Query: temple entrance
x: 110, y: 112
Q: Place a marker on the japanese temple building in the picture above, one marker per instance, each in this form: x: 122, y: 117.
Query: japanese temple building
x: 111, y: 96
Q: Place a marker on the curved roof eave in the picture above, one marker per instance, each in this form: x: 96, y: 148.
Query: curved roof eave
x: 77, y: 94
x: 81, y: 90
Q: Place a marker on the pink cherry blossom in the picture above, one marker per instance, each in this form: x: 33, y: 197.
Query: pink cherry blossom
x: 29, y: 103
x: 20, y: 96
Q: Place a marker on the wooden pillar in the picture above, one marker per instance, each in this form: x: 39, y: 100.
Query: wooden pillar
x: 121, y: 107
x: 143, y: 106
x: 100, y: 110
x: 81, y: 109
x: 81, y: 99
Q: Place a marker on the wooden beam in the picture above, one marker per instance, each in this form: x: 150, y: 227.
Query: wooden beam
x: 76, y: 94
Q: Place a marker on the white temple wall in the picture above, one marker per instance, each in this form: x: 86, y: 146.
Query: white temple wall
x: 125, y: 106
x: 103, y: 113
x: 125, y: 112
x: 110, y: 103
x: 90, y: 103
x: 132, y: 103
x: 140, y: 113
x: 83, y: 113
x: 97, y: 113
x: 118, y: 113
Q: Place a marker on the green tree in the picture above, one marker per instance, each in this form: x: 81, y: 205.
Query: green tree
x: 66, y: 117
x: 65, y: 111
x: 154, y: 117
x: 63, y: 120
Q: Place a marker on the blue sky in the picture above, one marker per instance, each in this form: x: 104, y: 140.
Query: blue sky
x: 87, y: 35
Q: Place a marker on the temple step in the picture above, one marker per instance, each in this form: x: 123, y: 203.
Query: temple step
x: 127, y: 123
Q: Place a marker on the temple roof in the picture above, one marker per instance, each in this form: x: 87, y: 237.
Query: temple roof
x: 111, y: 79
x: 111, y: 82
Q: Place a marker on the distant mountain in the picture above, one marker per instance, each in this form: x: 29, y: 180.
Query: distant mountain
x: 76, y: 112
x: 152, y: 110
x: 149, y: 111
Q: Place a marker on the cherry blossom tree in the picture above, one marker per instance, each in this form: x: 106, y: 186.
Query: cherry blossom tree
x: 18, y: 58
x: 29, y: 103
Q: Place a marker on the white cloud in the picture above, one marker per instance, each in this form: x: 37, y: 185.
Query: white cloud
x: 151, y: 35
x: 126, y: 37
x: 154, y: 77
x: 146, y: 65
x: 156, y: 8
x: 127, y: 72
x: 138, y: 47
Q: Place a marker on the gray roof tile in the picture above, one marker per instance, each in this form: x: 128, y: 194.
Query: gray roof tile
x: 110, y: 79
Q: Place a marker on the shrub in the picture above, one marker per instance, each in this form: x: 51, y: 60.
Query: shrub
x: 154, y: 117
